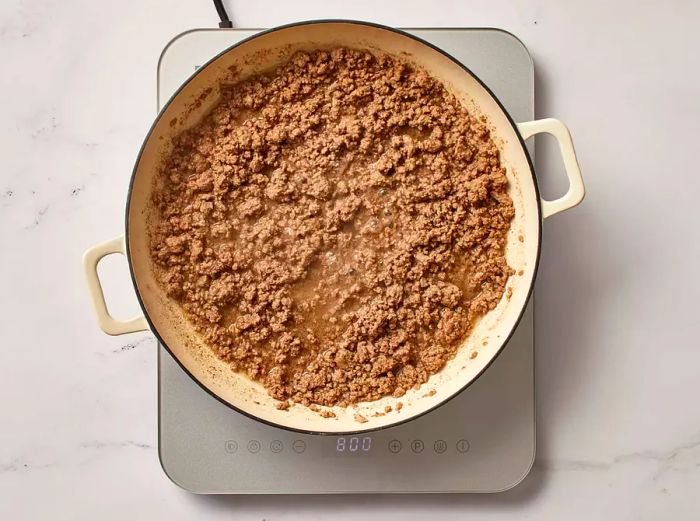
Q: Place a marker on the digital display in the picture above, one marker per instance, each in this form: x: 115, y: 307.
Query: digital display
x: 350, y: 446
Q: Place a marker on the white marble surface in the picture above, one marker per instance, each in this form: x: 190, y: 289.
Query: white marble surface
x: 617, y: 357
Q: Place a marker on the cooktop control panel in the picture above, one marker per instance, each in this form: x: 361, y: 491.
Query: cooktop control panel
x: 362, y: 445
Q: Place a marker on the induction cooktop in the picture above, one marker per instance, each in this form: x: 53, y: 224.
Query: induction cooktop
x: 483, y: 440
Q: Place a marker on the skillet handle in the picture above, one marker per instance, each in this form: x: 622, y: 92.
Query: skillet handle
x: 107, y: 323
x: 576, y: 191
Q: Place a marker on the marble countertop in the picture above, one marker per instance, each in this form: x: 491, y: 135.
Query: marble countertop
x: 617, y: 358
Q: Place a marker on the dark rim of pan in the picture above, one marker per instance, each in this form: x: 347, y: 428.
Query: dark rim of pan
x: 406, y: 35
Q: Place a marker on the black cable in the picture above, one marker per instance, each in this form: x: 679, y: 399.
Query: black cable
x: 225, y: 21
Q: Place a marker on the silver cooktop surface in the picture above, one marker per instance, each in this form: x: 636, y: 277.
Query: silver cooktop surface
x: 481, y: 441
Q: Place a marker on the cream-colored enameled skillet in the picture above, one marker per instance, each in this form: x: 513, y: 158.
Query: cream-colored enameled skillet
x: 263, y: 52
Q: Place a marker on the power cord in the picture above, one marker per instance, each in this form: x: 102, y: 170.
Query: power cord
x: 225, y: 22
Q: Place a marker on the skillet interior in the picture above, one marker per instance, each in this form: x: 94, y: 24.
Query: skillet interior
x: 261, y: 53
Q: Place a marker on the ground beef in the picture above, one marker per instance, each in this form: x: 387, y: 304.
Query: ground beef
x: 334, y: 228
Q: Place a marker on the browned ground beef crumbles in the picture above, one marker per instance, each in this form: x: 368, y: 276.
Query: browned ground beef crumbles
x: 334, y: 228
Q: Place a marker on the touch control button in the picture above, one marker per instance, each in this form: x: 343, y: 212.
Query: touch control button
x: 276, y: 446
x: 395, y: 446
x: 463, y: 446
x: 440, y: 446
x: 299, y: 446
x: 417, y: 446
x: 253, y: 446
x: 231, y: 446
